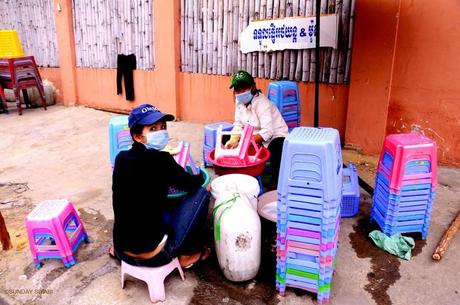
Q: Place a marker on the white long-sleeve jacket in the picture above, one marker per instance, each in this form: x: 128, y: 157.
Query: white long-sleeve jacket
x: 263, y: 115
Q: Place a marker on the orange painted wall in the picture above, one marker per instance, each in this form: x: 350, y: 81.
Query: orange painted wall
x: 372, y: 63
x: 207, y: 98
x: 66, y: 44
x: 97, y: 88
x: 425, y: 90
x: 54, y: 76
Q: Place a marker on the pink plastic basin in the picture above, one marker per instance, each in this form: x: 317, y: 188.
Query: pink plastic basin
x: 255, y: 169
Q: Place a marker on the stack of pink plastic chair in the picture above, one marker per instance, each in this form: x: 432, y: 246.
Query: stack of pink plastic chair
x: 55, y: 231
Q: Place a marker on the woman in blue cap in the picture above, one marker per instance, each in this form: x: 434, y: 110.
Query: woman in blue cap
x: 252, y: 107
x: 147, y: 231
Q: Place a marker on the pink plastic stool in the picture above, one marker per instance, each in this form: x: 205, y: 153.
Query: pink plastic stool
x: 55, y: 230
x: 184, y: 158
x: 154, y: 277
x: 400, y: 149
x: 238, y: 156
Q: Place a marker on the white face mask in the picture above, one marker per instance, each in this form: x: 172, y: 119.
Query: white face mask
x: 157, y: 139
x: 244, y: 98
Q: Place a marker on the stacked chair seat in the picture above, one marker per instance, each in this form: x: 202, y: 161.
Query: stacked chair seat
x: 308, y: 210
x: 119, y: 136
x: 285, y: 95
x: 405, y: 184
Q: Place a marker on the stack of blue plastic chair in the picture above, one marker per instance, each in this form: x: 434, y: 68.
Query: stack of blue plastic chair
x: 119, y: 136
x: 285, y: 95
x: 350, y: 192
x: 209, y: 140
x: 308, y: 210
x: 405, y: 184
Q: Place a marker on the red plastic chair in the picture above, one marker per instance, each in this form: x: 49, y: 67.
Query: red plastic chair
x: 20, y: 73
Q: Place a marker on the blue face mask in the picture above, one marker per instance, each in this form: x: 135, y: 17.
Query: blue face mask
x: 157, y: 139
x: 244, y: 98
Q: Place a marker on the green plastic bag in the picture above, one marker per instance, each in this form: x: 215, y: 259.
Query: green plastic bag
x: 397, y: 244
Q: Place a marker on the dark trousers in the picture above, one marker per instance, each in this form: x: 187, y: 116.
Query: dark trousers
x: 186, y: 222
x: 276, y: 148
x: 125, y: 66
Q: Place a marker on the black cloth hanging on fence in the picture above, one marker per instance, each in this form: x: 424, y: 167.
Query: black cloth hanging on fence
x: 125, y: 66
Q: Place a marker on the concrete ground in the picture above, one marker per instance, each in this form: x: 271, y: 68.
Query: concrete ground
x: 63, y: 153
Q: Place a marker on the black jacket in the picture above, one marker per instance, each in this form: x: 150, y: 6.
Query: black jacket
x: 141, y: 178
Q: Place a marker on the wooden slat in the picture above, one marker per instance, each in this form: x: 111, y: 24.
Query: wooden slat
x: 37, y: 35
x: 211, y: 28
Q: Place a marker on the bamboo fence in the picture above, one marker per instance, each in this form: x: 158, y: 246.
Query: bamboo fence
x: 104, y: 28
x: 34, y: 22
x: 210, y: 40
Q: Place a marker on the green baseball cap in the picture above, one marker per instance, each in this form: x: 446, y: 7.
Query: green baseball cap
x: 242, y: 79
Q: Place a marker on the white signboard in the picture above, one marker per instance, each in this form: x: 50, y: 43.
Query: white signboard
x: 289, y: 33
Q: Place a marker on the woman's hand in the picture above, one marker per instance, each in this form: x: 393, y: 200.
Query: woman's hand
x: 258, y: 139
x: 232, y: 143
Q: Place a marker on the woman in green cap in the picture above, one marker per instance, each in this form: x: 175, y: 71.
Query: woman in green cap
x: 252, y: 107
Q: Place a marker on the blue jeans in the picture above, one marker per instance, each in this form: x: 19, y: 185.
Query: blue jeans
x: 185, y: 220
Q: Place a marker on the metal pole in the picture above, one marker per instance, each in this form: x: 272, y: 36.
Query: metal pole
x: 318, y: 14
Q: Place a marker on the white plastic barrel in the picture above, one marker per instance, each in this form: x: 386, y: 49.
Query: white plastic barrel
x: 244, y: 184
x: 237, y: 237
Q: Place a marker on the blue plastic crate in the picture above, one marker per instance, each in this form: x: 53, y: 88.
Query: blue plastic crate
x: 119, y: 136
x: 350, y: 192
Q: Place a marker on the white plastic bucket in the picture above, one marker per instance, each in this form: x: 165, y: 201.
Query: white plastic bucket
x: 266, y: 206
x: 245, y: 184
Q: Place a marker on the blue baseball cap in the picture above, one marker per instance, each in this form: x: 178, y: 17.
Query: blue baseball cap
x: 147, y: 114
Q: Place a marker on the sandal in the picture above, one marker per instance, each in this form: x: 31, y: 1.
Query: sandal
x: 205, y: 253
x: 112, y: 254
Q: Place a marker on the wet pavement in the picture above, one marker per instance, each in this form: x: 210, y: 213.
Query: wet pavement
x: 63, y: 153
